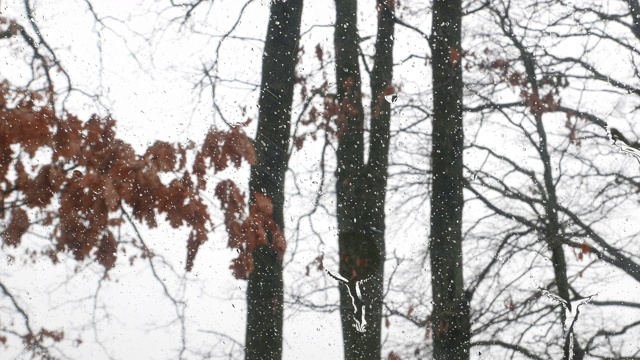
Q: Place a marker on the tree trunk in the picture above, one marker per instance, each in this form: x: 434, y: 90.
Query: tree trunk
x: 361, y: 187
x: 265, y: 286
x: 450, y: 318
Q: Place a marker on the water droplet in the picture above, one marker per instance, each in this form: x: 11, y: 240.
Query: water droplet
x: 391, y: 98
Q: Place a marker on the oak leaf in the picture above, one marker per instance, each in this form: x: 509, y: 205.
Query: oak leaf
x: 17, y: 227
x: 454, y: 56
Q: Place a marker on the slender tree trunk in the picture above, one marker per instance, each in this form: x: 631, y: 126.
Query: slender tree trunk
x: 361, y: 187
x: 265, y: 287
x: 450, y: 318
x: 552, y: 234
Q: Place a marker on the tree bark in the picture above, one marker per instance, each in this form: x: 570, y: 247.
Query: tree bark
x: 361, y: 186
x: 450, y: 317
x: 265, y: 285
x: 634, y: 8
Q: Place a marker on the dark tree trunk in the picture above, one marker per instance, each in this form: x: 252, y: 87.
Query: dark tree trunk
x: 450, y: 318
x: 634, y: 8
x: 265, y: 287
x: 361, y: 187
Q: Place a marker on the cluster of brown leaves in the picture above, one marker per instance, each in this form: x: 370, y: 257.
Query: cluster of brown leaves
x: 573, y: 139
x: 32, y: 340
x: 501, y: 66
x: 318, y: 262
x: 314, y: 121
x: 585, y: 249
x: 78, y: 178
x: 539, y: 105
x: 573, y: 126
x: 222, y: 147
x: 247, y: 233
x: 8, y: 27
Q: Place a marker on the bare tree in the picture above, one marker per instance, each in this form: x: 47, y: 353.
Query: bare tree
x: 361, y: 185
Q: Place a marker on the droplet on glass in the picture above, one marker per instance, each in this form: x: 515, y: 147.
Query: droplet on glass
x: 391, y: 98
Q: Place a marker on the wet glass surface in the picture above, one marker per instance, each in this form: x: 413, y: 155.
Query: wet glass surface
x: 319, y: 180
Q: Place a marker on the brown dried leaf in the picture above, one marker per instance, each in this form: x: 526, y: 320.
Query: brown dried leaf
x: 107, y: 251
x: 279, y: 244
x: 454, y: 56
x: 163, y: 155
x: 232, y: 200
x: 17, y: 227
x: 68, y: 139
x: 196, y: 239
x: 262, y: 204
x: 242, y: 266
x: 236, y: 235
x: 320, y: 55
